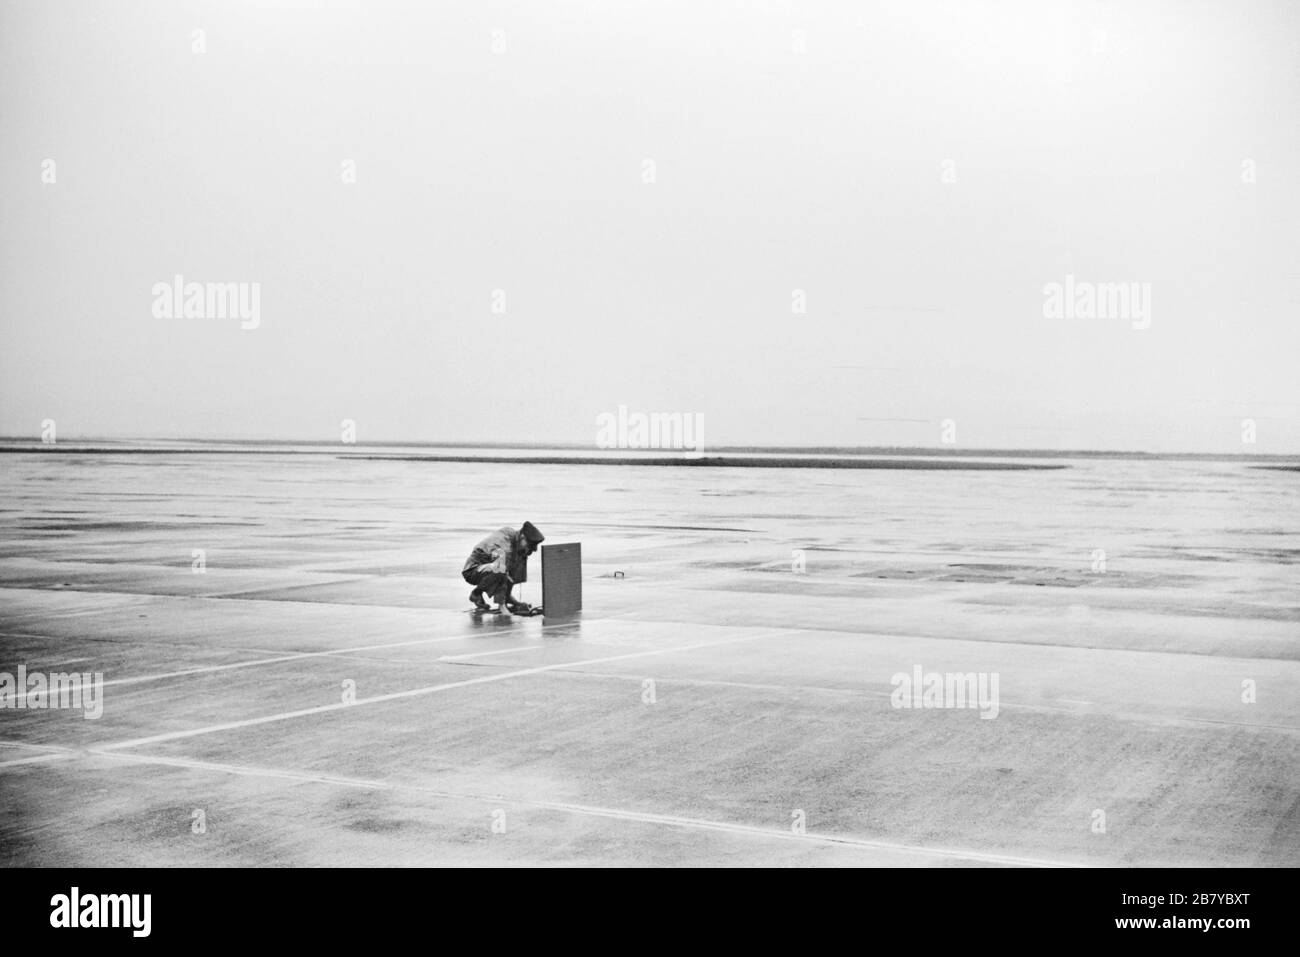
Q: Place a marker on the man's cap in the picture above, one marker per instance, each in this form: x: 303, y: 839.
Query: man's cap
x: 531, y: 534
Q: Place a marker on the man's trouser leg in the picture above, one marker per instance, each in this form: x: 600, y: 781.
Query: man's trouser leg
x: 493, y: 584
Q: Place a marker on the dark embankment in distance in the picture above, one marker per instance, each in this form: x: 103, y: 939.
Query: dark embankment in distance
x: 779, y: 457
x: 737, y: 461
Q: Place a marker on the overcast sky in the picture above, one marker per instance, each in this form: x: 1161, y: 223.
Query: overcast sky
x: 921, y: 171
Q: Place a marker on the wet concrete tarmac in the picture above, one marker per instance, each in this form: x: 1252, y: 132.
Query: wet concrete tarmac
x: 288, y: 657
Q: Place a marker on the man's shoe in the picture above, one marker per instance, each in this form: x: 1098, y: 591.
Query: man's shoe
x: 476, y: 597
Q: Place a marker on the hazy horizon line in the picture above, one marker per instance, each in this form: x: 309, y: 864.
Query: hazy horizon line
x: 34, y: 443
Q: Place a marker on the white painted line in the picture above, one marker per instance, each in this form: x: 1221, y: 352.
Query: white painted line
x: 530, y: 647
x: 641, y: 817
x: 432, y: 689
x: 106, y: 608
x: 279, y: 659
x: 488, y: 654
x: 37, y: 747
x: 207, y: 669
x: 39, y: 759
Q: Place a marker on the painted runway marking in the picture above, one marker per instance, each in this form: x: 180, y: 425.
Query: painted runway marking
x: 122, y: 639
x: 432, y: 689
x: 1179, y: 720
x: 244, y: 594
x: 48, y: 753
x: 37, y: 747
x: 502, y: 651
x: 37, y: 759
x: 296, y: 656
x: 530, y: 647
x: 641, y: 817
x: 254, y: 662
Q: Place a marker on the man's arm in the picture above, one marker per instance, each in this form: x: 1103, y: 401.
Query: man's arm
x: 501, y: 561
x: 502, y: 552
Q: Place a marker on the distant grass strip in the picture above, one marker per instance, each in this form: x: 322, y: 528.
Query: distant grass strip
x: 729, y: 461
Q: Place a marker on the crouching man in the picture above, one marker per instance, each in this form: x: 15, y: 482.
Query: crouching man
x: 498, y: 562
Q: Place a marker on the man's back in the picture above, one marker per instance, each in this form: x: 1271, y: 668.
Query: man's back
x: 507, y: 542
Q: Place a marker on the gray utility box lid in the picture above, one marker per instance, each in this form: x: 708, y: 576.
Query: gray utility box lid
x: 561, y: 579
